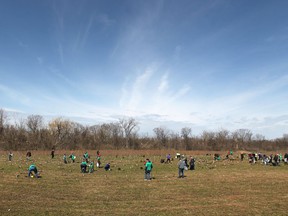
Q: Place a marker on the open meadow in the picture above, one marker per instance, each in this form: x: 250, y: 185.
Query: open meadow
x: 226, y: 187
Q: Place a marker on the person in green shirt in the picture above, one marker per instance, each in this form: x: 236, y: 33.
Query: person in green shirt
x: 83, y: 166
x: 86, y: 156
x: 91, y: 167
x: 148, y: 169
x: 73, y: 157
x: 32, y: 169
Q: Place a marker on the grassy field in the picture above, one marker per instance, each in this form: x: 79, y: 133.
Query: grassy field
x: 220, y: 188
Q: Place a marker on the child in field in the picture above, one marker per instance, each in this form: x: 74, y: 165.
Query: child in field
x: 86, y: 156
x: 65, y: 158
x: 83, y: 166
x: 168, y: 158
x: 286, y: 158
x: 148, y: 169
x: 98, y: 159
x: 107, y: 167
x: 32, y: 169
x: 72, y: 157
x: 91, y: 167
x: 217, y: 157
x: 265, y: 159
x: 52, y: 153
x: 10, y: 155
x: 242, y: 156
x: 192, y: 163
x: 28, y: 155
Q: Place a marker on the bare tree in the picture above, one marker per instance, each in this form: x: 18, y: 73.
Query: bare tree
x: 285, y: 137
x: 162, y: 136
x: 242, y: 136
x: 3, y: 121
x: 175, y: 140
x: 259, y: 137
x: 61, y: 129
x: 128, y: 125
x: 34, y: 123
x: 208, y: 139
x: 116, y: 134
x: 222, y: 139
x: 185, y: 133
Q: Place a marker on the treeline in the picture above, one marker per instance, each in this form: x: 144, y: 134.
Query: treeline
x: 60, y: 133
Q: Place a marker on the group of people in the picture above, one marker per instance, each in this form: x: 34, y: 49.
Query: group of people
x: 85, y: 165
x: 274, y: 160
x: 183, y: 165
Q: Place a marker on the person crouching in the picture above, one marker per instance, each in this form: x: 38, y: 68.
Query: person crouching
x: 83, y: 166
x: 32, y: 169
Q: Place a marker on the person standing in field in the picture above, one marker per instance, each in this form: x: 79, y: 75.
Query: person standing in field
x: 148, y: 169
x: 91, y: 167
x: 65, y: 158
x: 10, y: 156
x: 98, y: 157
x: 181, y: 167
x: 52, y: 153
x: 168, y: 158
x: 192, y: 163
x: 242, y: 156
x: 86, y: 156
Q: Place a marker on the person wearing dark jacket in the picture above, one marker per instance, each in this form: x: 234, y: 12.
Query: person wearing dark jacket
x: 83, y: 166
x: 192, y: 163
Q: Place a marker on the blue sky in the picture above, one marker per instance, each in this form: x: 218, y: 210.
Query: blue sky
x: 208, y: 65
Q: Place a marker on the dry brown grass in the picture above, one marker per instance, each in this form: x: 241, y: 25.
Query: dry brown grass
x: 221, y: 188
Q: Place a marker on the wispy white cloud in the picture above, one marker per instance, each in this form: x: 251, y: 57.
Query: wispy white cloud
x: 164, y: 84
x: 87, y: 31
x: 64, y: 78
x: 105, y: 20
x: 150, y: 94
x: 136, y: 90
x: 61, y: 53
x: 14, y: 95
